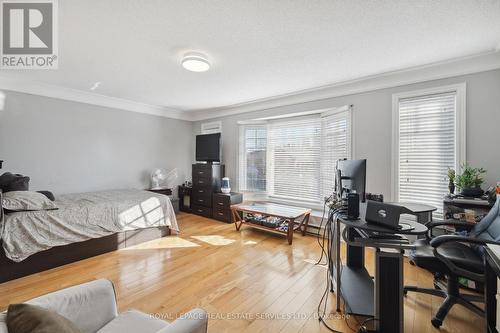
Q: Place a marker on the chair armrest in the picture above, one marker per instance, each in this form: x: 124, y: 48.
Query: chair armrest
x: 194, y: 321
x: 439, y: 240
x: 89, y: 306
x: 454, y: 223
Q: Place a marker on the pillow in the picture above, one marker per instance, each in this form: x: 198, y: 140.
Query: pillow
x: 14, y: 182
x: 18, y: 201
x: 48, y: 194
x: 26, y: 318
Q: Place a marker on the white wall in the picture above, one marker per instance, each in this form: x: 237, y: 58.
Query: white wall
x: 373, y: 130
x: 74, y: 147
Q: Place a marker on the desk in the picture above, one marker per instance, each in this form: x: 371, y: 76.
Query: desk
x: 457, y: 205
x: 421, y: 211
x: 381, y: 297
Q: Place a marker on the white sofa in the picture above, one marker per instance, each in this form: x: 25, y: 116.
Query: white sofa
x: 92, y: 308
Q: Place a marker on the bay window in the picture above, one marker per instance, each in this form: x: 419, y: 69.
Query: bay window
x: 293, y: 159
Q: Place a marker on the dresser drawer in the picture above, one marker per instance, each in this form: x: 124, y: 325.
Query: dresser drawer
x: 202, y: 210
x: 221, y: 201
x: 203, y: 198
x: 222, y: 214
x: 226, y: 200
x: 202, y: 171
x: 202, y: 190
x: 197, y: 181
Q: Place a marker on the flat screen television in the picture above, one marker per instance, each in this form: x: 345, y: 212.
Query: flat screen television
x: 208, y: 147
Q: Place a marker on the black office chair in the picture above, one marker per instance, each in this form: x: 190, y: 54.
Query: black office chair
x: 454, y: 256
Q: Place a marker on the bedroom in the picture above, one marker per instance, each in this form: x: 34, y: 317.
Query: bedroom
x: 292, y: 87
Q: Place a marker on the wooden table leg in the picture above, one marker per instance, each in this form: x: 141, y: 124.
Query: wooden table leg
x: 289, y: 234
x: 306, y: 223
x: 237, y: 218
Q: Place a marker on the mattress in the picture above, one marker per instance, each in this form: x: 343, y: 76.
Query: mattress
x: 83, y: 216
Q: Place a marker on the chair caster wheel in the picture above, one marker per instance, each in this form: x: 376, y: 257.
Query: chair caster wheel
x: 405, y: 292
x: 436, y: 322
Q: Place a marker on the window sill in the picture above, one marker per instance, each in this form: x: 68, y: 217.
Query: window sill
x: 263, y: 197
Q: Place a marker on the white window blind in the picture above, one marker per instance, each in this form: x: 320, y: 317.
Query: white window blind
x: 427, y: 147
x: 293, y: 159
x: 294, y: 150
x: 253, y: 143
x: 336, y: 145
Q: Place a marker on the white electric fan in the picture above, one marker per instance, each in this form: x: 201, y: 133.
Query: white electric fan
x: 160, y: 179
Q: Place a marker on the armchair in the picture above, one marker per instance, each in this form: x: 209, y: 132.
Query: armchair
x: 92, y: 308
x: 454, y: 256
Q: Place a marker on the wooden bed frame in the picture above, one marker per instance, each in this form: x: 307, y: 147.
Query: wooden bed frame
x: 62, y: 255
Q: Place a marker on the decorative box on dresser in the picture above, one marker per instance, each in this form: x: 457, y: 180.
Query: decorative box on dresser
x: 206, y: 181
x: 221, y: 207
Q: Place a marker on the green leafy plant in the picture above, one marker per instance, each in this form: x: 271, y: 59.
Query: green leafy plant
x: 470, y: 177
x: 451, y: 175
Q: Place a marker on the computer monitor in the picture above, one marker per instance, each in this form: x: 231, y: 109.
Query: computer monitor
x: 351, y: 176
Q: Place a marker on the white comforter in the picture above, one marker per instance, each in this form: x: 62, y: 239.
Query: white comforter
x: 83, y: 216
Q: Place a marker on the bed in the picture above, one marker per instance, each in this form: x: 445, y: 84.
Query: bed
x: 84, y: 225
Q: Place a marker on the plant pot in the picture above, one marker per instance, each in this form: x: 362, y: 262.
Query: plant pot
x: 472, y: 192
x: 451, y: 187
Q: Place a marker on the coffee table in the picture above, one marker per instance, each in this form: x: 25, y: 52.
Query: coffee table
x: 289, y: 213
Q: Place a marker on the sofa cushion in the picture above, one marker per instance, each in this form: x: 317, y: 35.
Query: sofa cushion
x: 90, y: 306
x: 3, y: 323
x: 26, y: 318
x: 132, y: 322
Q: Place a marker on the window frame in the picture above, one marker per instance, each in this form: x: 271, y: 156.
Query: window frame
x: 460, y: 127
x: 264, y: 195
x: 242, y: 157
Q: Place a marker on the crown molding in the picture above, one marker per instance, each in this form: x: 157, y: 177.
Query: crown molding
x: 74, y: 95
x: 435, y: 71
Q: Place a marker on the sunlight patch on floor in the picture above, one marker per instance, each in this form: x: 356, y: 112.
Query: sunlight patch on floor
x: 169, y: 242
x: 315, y: 262
x: 214, y: 240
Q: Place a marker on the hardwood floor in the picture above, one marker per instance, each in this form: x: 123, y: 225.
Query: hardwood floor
x: 242, y: 279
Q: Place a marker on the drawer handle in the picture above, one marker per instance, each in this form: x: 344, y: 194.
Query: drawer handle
x: 200, y: 191
x: 221, y: 203
x: 200, y: 211
x: 200, y: 200
x: 201, y: 181
x: 200, y: 172
x: 221, y: 214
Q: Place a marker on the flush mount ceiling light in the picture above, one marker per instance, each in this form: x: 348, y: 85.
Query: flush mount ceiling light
x: 195, y: 62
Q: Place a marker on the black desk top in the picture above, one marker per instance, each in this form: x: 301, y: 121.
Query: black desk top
x: 416, y: 227
x: 415, y: 208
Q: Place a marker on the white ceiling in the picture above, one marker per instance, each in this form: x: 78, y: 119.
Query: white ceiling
x: 258, y: 49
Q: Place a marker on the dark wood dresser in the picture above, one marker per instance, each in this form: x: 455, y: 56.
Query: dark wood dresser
x: 221, y: 205
x: 206, y: 181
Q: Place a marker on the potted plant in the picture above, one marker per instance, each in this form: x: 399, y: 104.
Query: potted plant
x: 470, y: 181
x: 451, y: 179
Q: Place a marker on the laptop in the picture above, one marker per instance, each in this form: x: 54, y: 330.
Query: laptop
x: 383, y: 214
